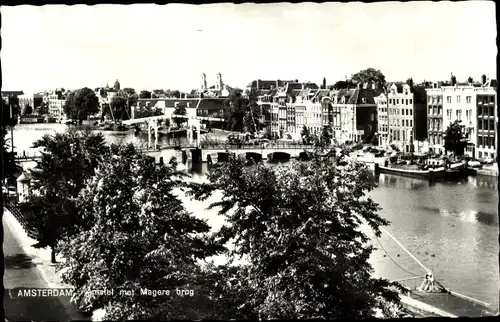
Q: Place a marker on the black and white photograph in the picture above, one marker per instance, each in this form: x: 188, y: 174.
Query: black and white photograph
x: 249, y: 161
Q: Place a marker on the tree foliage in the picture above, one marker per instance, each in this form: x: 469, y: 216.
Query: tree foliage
x: 43, y: 109
x: 145, y: 94
x: 235, y: 110
x: 326, y: 136
x: 243, y: 113
x: 297, y: 228
x: 118, y: 107
x: 344, y: 84
x: 369, y: 75
x: 147, y: 112
x: 137, y: 235
x: 129, y: 91
x: 252, y: 120
x: 455, y: 139
x: 8, y: 121
x: 306, y: 135
x: 27, y: 110
x: 81, y: 103
x: 68, y: 159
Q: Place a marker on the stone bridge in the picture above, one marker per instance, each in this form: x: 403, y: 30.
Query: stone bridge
x: 212, y: 153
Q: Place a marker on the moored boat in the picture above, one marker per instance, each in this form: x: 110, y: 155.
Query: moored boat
x: 413, y: 172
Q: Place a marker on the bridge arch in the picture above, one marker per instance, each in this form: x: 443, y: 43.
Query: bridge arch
x: 278, y: 156
x: 255, y: 156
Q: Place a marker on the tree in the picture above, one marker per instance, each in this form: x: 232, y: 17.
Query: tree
x: 297, y: 228
x: 86, y: 103
x: 252, y: 120
x: 344, y: 84
x: 455, y: 139
x: 180, y: 110
x: 27, y: 110
x: 326, y: 136
x: 174, y: 93
x: 8, y: 162
x: 139, y: 237
x: 68, y: 160
x: 145, y: 94
x: 129, y: 91
x: 369, y: 75
x: 69, y: 107
x: 119, y: 107
x: 43, y: 109
x: 306, y: 135
x: 235, y: 110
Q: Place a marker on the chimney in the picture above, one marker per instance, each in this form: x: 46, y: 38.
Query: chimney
x: 483, y: 79
x: 470, y: 80
x: 258, y: 84
x: 324, y: 82
x: 410, y: 82
x: 296, y: 81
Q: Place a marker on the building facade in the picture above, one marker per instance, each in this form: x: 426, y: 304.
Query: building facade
x: 435, y: 119
x: 401, y: 121
x: 383, y: 125
x: 487, y: 122
x: 474, y: 105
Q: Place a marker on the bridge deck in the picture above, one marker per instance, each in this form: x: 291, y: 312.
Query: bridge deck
x: 163, y: 117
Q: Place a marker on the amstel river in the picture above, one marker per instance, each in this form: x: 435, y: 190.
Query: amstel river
x: 452, y: 228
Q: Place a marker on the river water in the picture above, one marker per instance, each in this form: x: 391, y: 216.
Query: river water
x: 452, y: 228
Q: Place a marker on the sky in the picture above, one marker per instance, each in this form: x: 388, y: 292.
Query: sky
x: 148, y: 46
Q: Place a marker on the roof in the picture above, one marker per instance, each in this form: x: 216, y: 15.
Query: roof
x: 268, y: 84
x: 12, y: 93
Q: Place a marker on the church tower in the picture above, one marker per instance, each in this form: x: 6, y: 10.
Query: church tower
x: 203, y: 83
x: 218, y: 84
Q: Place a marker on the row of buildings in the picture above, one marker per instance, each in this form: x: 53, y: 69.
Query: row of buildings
x: 412, y: 117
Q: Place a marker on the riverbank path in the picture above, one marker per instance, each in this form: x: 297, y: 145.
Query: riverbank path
x: 21, y: 271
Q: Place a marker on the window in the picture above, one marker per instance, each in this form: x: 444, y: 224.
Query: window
x: 407, y: 123
x: 492, y: 125
x: 458, y: 98
x: 411, y: 112
x: 480, y: 125
x: 411, y: 101
x: 411, y: 123
x: 430, y: 110
x: 397, y: 101
x: 448, y: 99
x: 468, y: 99
x: 406, y: 101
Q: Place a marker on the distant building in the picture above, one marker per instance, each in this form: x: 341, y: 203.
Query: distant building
x: 218, y: 90
x: 206, y: 107
x: 474, y: 104
x: 55, y: 102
